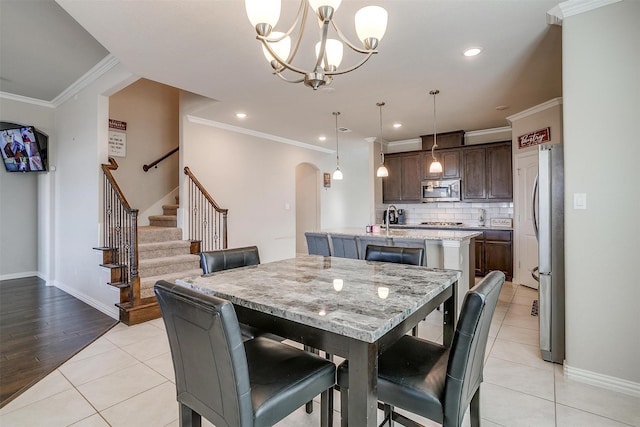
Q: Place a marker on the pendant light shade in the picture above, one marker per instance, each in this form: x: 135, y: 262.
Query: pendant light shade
x: 436, y: 166
x: 337, y: 175
x: 382, y: 171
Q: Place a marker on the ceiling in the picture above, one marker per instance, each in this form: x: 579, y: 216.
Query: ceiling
x: 209, y: 48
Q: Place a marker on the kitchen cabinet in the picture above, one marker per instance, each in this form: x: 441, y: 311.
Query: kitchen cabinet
x: 450, y: 160
x: 405, y: 178
x: 487, y: 173
x: 494, y: 251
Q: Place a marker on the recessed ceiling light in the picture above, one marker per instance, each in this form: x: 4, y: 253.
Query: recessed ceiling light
x: 241, y: 115
x: 502, y: 107
x: 397, y: 125
x: 473, y: 51
x: 322, y: 138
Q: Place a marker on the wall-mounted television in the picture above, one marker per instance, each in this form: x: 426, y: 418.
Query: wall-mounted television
x: 23, y: 148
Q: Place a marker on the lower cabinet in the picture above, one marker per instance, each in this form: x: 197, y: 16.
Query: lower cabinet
x: 494, y: 251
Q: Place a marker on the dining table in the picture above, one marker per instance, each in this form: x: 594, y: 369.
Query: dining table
x: 351, y: 308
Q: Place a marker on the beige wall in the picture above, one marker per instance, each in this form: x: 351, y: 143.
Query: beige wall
x: 150, y: 110
x: 601, y: 95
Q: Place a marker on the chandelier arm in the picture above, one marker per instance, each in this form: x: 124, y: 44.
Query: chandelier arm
x: 322, y: 53
x: 348, y: 43
x: 302, y: 11
x: 280, y: 61
x: 279, y: 74
x: 355, y: 67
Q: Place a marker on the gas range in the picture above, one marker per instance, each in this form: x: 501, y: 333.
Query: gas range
x: 443, y: 223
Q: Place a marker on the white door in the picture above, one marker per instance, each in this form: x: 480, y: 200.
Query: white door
x: 526, y: 165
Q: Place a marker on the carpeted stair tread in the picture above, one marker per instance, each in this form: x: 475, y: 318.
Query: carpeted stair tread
x: 163, y: 249
x: 165, y: 265
x: 146, y: 283
x: 153, y: 234
x: 170, y: 209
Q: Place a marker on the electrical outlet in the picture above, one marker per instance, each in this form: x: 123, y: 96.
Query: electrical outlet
x: 579, y: 200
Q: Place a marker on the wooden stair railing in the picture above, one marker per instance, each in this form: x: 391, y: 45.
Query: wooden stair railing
x: 155, y: 162
x: 120, y: 240
x: 207, y: 220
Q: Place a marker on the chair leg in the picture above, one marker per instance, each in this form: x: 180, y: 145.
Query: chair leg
x: 388, y: 414
x: 474, y: 409
x: 344, y: 407
x: 189, y: 417
x: 326, y: 408
x: 308, y: 407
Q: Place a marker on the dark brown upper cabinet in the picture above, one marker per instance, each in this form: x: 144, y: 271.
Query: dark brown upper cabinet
x: 487, y: 172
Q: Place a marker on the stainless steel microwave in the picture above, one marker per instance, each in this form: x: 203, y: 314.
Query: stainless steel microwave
x: 441, y: 190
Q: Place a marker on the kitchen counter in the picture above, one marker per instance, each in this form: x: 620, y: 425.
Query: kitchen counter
x: 445, y: 248
x: 444, y: 227
x: 412, y: 233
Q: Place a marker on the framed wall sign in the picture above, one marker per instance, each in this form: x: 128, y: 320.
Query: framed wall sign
x: 534, y: 138
x: 327, y: 180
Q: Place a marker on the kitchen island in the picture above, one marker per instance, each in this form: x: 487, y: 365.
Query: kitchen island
x: 449, y: 249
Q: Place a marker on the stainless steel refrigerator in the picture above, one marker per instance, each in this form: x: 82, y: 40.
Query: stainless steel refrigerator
x: 548, y: 206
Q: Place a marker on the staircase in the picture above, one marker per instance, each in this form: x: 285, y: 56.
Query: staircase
x: 162, y: 255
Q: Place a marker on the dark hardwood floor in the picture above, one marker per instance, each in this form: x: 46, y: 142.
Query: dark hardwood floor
x: 40, y: 328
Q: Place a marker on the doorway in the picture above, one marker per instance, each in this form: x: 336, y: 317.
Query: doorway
x: 307, y: 203
x: 526, y: 165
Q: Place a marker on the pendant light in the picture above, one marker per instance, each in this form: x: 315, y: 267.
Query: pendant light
x: 337, y: 175
x: 382, y: 170
x: 436, y: 166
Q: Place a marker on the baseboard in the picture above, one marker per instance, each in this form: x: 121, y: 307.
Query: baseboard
x: 111, y: 311
x: 19, y: 275
x: 604, y: 381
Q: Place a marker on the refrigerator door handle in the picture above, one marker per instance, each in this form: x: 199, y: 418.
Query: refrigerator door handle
x: 534, y: 194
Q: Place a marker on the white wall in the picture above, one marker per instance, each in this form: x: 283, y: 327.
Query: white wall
x: 81, y: 128
x: 255, y: 179
x: 23, y: 219
x: 150, y: 110
x: 601, y: 93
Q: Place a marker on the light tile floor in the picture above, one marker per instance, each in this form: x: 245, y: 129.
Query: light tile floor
x: 125, y: 378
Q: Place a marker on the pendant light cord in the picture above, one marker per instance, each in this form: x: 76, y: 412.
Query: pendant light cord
x: 337, y: 113
x: 381, y: 104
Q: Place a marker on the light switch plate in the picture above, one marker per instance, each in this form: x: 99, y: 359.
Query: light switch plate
x: 579, y: 200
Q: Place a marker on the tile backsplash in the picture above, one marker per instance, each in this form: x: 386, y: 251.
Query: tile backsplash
x: 467, y: 213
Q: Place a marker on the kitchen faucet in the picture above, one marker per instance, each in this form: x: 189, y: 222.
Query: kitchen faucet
x: 389, y: 215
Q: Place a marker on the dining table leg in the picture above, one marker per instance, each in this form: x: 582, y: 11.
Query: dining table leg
x: 450, y: 316
x: 363, y: 379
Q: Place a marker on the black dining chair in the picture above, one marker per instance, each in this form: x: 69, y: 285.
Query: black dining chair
x: 433, y: 381
x: 230, y: 382
x: 318, y: 243
x: 226, y: 259
x: 344, y: 246
x: 412, y: 243
x: 364, y: 241
x: 397, y: 254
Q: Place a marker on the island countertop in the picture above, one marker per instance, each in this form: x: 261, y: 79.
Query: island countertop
x: 418, y: 234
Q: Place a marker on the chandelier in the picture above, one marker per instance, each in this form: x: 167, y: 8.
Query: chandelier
x: 370, y: 23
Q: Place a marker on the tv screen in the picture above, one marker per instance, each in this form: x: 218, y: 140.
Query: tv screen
x: 21, y: 150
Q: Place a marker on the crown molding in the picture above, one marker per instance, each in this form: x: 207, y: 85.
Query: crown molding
x: 26, y: 100
x: 484, y: 132
x: 574, y: 7
x: 405, y: 142
x: 275, y: 138
x: 107, y: 63
x: 538, y: 108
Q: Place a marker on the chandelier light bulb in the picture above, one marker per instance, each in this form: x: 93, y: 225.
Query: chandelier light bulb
x: 263, y: 12
x: 333, y: 51
x: 371, y: 24
x: 281, y: 48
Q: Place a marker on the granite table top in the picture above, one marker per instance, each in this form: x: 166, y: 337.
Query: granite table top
x: 418, y: 234
x: 354, y: 298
